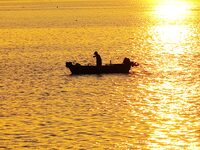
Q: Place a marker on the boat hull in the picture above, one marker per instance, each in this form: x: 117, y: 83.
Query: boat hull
x: 105, y: 69
x: 115, y: 68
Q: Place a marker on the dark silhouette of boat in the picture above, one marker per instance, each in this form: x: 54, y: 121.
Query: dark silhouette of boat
x: 104, y: 69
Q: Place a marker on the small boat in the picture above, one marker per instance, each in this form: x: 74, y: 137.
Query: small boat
x: 104, y: 69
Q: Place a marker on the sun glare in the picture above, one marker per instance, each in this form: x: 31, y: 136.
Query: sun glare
x: 171, y: 37
x: 173, y: 9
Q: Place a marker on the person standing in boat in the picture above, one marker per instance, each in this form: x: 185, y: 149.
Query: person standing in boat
x: 98, y: 59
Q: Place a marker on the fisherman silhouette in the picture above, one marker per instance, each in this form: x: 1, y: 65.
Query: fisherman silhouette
x: 98, y: 59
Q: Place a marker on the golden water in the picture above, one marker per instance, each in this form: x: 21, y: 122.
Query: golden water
x: 42, y: 106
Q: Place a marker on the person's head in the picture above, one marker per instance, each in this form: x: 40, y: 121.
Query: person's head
x: 95, y: 53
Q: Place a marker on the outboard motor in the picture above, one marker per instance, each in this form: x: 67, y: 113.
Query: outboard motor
x: 127, y: 61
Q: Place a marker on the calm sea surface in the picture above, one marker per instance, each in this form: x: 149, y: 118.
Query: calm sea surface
x: 42, y: 106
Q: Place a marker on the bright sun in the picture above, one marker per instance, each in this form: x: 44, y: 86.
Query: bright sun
x: 173, y: 9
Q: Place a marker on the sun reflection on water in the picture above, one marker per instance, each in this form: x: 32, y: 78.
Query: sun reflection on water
x: 171, y: 127
x: 173, y: 34
x: 169, y: 94
x: 170, y: 38
x: 173, y: 10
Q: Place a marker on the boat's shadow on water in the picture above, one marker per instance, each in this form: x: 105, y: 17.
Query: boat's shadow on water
x: 130, y: 74
x: 84, y: 75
